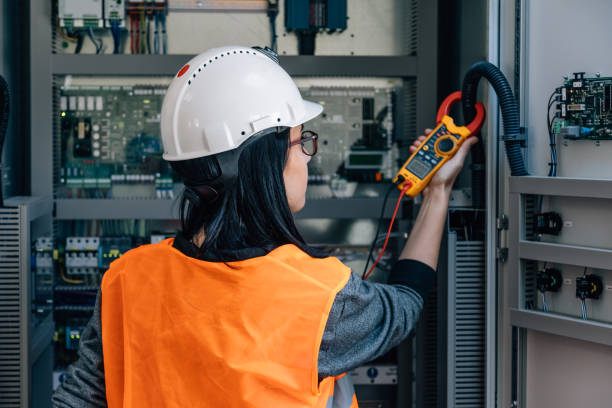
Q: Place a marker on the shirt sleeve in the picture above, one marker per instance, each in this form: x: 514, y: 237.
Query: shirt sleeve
x: 84, y: 386
x: 368, y: 319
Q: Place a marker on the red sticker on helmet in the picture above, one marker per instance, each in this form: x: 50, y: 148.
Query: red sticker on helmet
x: 182, y: 71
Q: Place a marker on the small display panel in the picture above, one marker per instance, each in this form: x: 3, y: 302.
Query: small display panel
x: 419, y: 167
x: 375, y: 159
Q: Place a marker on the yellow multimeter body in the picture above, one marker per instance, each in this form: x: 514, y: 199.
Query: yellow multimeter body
x: 439, y: 147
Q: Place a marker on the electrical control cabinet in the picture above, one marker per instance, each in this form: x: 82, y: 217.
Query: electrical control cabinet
x: 96, y: 141
x: 556, y: 300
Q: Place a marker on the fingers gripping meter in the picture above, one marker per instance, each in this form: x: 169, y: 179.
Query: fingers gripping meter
x: 439, y: 147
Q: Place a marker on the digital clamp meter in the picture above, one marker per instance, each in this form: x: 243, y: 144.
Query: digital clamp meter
x: 439, y: 147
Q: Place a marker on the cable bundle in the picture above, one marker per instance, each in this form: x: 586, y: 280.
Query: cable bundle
x: 142, y: 18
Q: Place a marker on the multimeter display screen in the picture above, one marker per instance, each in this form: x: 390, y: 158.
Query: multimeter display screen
x: 418, y: 167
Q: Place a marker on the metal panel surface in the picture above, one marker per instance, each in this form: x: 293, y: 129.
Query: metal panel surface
x: 301, y: 65
x: 591, y: 331
x: 562, y: 186
x: 566, y: 254
x: 581, y: 30
x: 586, y: 221
x: 100, y: 209
x: 41, y: 123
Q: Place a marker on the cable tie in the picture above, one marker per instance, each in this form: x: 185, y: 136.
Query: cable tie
x: 520, y: 137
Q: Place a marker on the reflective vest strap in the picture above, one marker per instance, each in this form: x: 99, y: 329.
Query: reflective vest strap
x: 344, y: 394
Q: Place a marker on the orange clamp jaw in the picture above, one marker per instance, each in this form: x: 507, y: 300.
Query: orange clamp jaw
x: 439, y: 147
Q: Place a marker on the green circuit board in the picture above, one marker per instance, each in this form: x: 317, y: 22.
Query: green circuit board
x: 110, y: 143
x: 585, y: 108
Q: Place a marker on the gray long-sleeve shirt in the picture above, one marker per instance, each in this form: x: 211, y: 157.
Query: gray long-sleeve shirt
x: 366, y: 320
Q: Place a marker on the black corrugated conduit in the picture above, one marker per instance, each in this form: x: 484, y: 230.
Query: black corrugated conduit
x: 510, y: 114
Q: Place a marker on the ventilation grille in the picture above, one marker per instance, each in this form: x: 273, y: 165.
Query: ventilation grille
x: 531, y: 267
x: 10, y: 337
x: 410, y: 109
x: 469, y: 327
x: 405, y: 118
x: 57, y: 142
x: 55, y: 41
x: 411, y: 27
x: 429, y: 358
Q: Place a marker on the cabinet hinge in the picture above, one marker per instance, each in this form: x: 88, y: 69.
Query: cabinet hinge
x: 502, y: 222
x: 502, y: 254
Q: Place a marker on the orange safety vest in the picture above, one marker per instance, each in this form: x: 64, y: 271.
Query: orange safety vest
x: 181, y: 332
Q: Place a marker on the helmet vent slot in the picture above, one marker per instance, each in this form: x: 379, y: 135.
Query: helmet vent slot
x: 210, y: 61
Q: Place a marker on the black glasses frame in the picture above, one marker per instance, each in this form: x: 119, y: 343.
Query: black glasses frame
x: 307, y: 135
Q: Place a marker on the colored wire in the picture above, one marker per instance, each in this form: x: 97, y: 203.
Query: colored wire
x: 552, y: 172
x: 399, y: 200
x: 68, y: 280
x: 544, y: 305
x: 164, y: 35
x: 80, y: 40
x: 553, y: 146
x: 379, y: 224
x: 131, y: 34
x: 137, y: 40
x: 156, y: 34
x: 97, y: 43
x: 272, y: 14
x: 142, y: 39
x: 66, y: 36
x: 116, y: 36
x: 583, y: 308
x: 148, y: 36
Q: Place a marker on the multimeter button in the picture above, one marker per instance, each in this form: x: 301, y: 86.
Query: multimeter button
x: 446, y: 145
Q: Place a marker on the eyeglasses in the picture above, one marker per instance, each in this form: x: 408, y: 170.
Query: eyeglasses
x: 309, y: 142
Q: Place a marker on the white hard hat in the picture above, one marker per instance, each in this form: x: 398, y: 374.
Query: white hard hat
x: 225, y: 95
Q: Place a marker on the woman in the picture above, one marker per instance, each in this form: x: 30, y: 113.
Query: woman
x: 237, y: 310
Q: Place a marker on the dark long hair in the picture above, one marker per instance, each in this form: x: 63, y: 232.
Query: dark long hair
x: 251, y: 213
